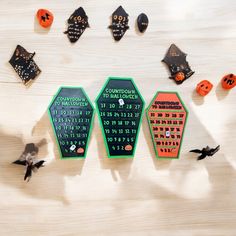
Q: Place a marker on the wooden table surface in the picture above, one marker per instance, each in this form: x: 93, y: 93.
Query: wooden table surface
x: 99, y: 196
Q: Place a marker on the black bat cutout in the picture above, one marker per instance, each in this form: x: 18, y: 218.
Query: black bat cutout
x: 142, y: 22
x: 207, y: 151
x: 175, y: 59
x: 20, y: 162
x: 27, y: 159
x: 32, y: 167
x: 24, y: 65
x: 77, y: 24
x: 119, y: 24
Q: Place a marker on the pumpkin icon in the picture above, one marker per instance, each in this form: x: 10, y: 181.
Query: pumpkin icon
x: 45, y: 18
x: 204, y: 87
x: 128, y: 147
x: 80, y: 150
x: 228, y: 81
x: 179, y: 77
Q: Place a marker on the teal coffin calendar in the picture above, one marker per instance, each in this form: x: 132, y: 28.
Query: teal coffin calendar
x: 71, y: 114
x: 120, y: 108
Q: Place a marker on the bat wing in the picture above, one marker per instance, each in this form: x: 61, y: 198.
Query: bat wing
x: 28, y: 173
x: 20, y: 162
x: 201, y: 157
x: 196, y: 151
x: 215, y: 150
x: 38, y: 164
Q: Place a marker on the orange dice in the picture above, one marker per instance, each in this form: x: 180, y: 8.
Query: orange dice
x: 204, y: 87
x: 228, y: 81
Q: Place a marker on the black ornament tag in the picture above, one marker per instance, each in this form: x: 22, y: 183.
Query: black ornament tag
x: 142, y: 22
x: 77, y: 24
x: 119, y: 24
x: 179, y: 68
x: 24, y: 65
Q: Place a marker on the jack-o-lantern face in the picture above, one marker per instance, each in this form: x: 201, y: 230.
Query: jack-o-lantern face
x: 204, y: 87
x: 228, y: 81
x: 45, y: 18
x: 80, y: 150
x: 179, y: 77
x: 128, y: 147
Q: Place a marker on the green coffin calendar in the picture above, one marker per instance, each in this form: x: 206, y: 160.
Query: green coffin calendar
x: 120, y: 108
x: 71, y: 114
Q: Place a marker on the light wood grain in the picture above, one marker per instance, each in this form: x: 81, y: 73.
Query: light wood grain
x: 99, y: 196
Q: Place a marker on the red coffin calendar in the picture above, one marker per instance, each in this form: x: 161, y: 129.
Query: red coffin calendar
x: 167, y: 116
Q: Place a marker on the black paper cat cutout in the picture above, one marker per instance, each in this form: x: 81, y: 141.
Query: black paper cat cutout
x: 24, y: 65
x: 119, y: 24
x: 77, y: 24
x: 179, y: 68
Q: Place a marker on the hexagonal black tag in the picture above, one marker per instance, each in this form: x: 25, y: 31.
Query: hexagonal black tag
x: 120, y: 107
x: 71, y: 114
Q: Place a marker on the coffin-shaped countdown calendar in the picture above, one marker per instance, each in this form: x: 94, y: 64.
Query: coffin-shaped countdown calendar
x: 120, y: 107
x: 71, y: 114
x: 167, y: 116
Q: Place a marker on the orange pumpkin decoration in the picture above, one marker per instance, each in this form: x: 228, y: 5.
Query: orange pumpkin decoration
x: 228, y: 81
x: 80, y: 150
x: 204, y: 87
x: 45, y: 18
x: 128, y: 147
x: 179, y: 77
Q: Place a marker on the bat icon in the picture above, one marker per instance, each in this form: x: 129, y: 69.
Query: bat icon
x: 205, y: 152
x: 28, y: 159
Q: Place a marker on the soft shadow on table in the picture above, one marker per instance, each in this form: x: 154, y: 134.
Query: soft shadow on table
x: 182, y: 172
x: 48, y: 182
x: 197, y: 99
x: 213, y: 166
x: 187, y: 195
x: 44, y: 127
x: 184, y: 185
x: 120, y: 168
x: 221, y: 93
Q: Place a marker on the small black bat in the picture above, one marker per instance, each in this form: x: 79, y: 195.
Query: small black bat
x: 28, y: 159
x: 119, y: 24
x: 207, y: 151
x: 179, y: 68
x: 77, y: 24
x: 142, y: 22
x: 24, y: 65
